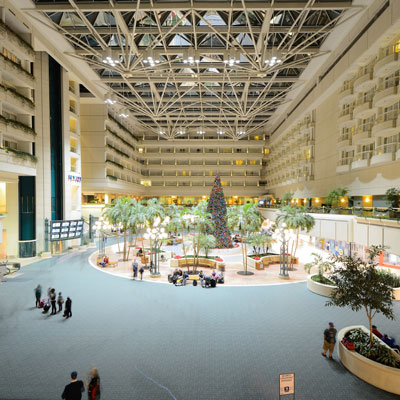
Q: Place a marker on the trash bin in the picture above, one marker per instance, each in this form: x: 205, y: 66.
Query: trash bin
x: 16, y: 265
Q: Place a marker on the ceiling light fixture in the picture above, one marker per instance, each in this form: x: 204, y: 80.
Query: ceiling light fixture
x: 220, y: 132
x: 181, y: 131
x: 124, y: 113
x: 201, y: 131
x: 109, y: 98
x: 273, y: 58
x: 162, y: 132
x: 241, y: 131
x: 191, y: 57
x: 109, y: 58
x: 233, y: 58
x: 150, y: 59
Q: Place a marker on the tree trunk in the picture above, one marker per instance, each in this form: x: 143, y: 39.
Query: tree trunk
x: 125, y: 245
x: 245, y: 256
x: 371, y: 339
x: 184, y: 250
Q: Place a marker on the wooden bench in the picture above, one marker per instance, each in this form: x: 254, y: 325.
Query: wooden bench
x: 111, y: 264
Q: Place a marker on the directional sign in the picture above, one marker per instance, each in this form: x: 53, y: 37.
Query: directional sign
x: 64, y: 230
x: 286, y: 384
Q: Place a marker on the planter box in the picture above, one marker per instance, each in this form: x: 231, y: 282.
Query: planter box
x: 396, y: 294
x: 378, y: 375
x: 266, y: 260
x: 319, y: 288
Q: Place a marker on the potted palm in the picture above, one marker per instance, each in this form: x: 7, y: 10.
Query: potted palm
x: 319, y: 283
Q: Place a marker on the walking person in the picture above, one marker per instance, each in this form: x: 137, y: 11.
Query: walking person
x: 94, y: 385
x: 53, y: 300
x: 38, y: 295
x: 60, y: 301
x: 74, y: 390
x: 329, y: 340
x: 141, y: 270
x: 68, y: 308
x: 135, y: 269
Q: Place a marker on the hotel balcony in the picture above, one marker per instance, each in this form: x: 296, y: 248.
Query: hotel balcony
x: 385, y: 127
x: 362, y: 135
x: 361, y: 160
x: 385, y: 153
x: 386, y: 96
x: 17, y: 130
x: 387, y: 64
x: 364, y: 109
x: 346, y: 96
x: 16, y: 73
x: 17, y: 162
x: 364, y: 82
x: 17, y: 101
x: 346, y: 119
x: 343, y: 165
x: 344, y: 141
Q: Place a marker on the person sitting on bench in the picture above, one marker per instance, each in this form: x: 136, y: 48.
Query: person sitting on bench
x: 104, y: 262
x: 139, y: 253
x: 201, y: 277
x: 185, y: 278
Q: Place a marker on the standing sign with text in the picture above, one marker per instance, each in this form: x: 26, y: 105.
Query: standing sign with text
x: 286, y: 384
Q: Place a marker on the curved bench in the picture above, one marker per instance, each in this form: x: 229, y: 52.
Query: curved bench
x: 203, y: 262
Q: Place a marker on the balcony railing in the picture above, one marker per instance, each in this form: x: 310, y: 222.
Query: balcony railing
x: 345, y: 161
x: 386, y: 149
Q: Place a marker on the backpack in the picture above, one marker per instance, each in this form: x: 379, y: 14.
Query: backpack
x: 194, y: 283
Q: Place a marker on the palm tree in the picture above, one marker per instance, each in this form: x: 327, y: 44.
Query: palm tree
x: 261, y: 241
x: 137, y: 219
x: 247, y: 219
x: 207, y: 242
x: 322, y: 265
x: 298, y: 220
x: 120, y: 213
x: 202, y: 221
x: 153, y: 210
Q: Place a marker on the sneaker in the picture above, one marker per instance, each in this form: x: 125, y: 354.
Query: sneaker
x: 322, y: 354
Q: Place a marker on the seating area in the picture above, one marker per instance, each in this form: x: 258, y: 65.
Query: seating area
x: 105, y: 262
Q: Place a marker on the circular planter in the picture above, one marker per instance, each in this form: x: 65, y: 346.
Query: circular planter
x: 319, y: 288
x: 396, y: 294
x: 378, y: 375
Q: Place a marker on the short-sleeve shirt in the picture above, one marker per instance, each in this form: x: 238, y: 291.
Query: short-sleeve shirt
x: 330, y: 335
x: 73, y: 391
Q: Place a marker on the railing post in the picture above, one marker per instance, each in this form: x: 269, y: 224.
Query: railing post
x: 46, y: 235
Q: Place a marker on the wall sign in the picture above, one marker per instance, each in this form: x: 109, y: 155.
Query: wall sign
x: 64, y: 230
x: 74, y: 178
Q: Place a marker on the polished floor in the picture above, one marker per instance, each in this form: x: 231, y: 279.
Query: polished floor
x: 152, y: 341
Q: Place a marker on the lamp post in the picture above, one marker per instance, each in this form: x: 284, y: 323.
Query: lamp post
x: 283, y: 235
x: 157, y: 234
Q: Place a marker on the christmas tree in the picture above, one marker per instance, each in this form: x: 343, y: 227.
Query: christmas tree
x: 217, y: 208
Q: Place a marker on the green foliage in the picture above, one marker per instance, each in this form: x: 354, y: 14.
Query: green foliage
x: 17, y: 66
x: 333, y: 198
x: 206, y: 243
x: 321, y: 279
x: 359, y: 285
x: 322, y: 265
x: 393, y: 278
x: 377, y: 352
x: 153, y: 210
x: 261, y: 241
x: 112, y: 177
x: 121, y: 153
x: 287, y: 197
x: 13, y: 92
x: 120, y: 138
x: 392, y: 197
x: 116, y: 164
x: 18, y: 125
x: 20, y: 154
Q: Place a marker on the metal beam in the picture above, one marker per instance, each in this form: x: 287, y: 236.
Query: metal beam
x: 182, y: 78
x: 188, y: 5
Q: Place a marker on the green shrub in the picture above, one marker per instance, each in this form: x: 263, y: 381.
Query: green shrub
x: 378, y: 352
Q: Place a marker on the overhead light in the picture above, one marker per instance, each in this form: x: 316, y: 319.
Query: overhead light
x: 162, y: 132
x: 110, y: 58
x: 192, y: 57
x: 233, y: 58
x: 124, y: 113
x: 220, y: 132
x: 181, y: 131
x: 241, y: 131
x: 151, y: 59
x: 273, y: 58
x: 201, y: 131
x: 109, y: 98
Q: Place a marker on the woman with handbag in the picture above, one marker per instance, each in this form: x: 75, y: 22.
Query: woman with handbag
x: 94, y: 385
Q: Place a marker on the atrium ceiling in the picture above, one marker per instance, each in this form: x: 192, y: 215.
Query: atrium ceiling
x: 195, y: 66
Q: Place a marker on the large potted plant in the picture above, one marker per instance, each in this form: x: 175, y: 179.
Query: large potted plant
x: 319, y: 283
x: 334, y: 197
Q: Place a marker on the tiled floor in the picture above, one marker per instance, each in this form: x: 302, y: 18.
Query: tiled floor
x: 153, y: 341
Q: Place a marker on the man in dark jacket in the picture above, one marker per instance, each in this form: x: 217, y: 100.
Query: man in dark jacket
x: 53, y: 299
x: 74, y: 390
x: 68, y: 308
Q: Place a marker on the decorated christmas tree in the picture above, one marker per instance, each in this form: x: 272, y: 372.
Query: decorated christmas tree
x: 217, y: 208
